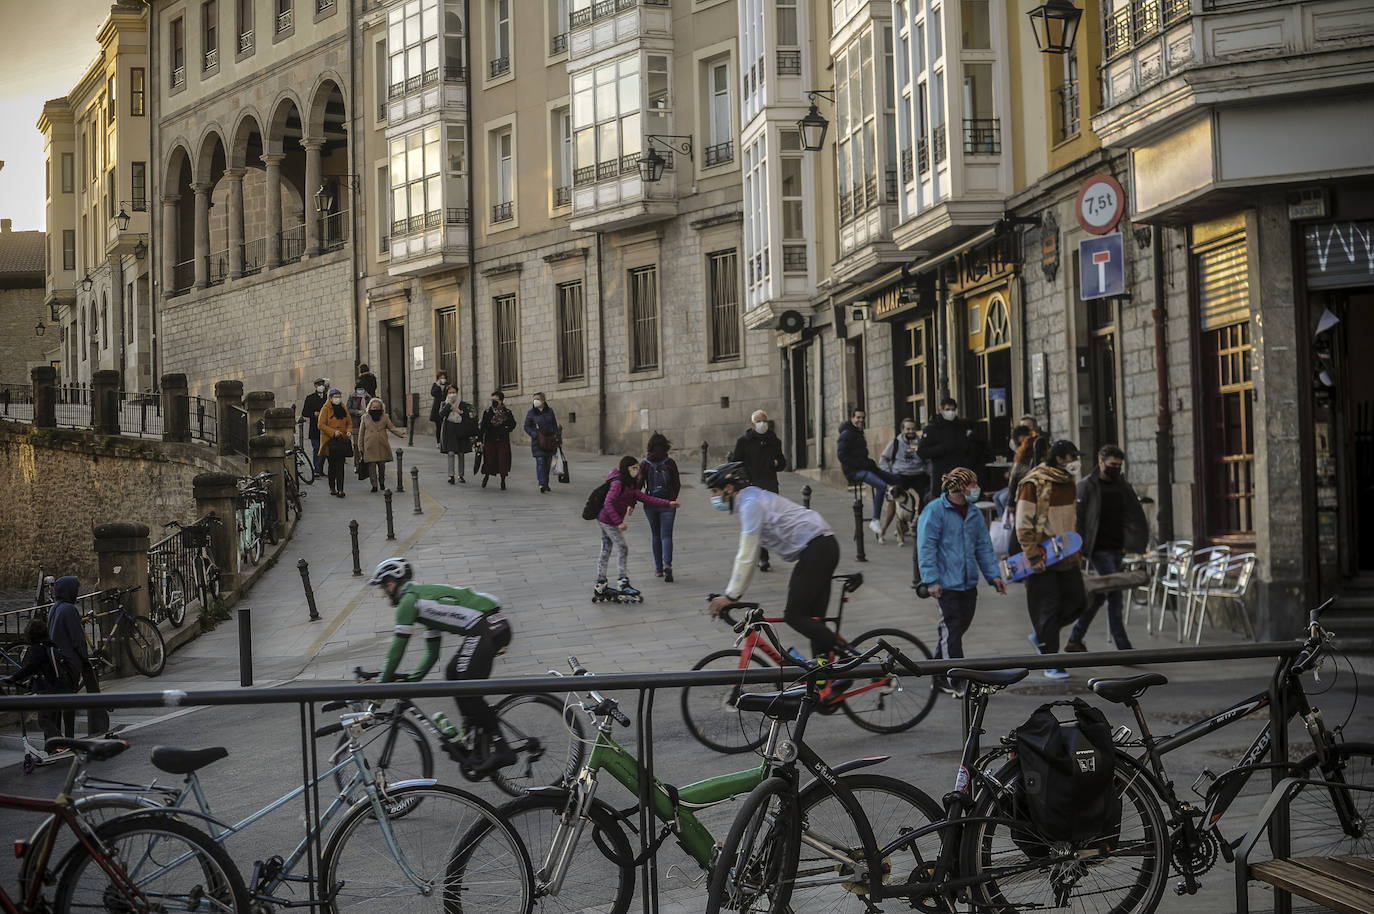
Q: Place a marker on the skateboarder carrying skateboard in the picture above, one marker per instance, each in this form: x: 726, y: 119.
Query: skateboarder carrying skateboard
x: 1046, y: 506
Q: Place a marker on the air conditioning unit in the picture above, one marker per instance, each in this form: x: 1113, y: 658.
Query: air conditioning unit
x: 858, y: 312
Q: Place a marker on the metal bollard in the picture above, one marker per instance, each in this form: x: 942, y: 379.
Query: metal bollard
x: 400, y: 476
x: 304, y: 568
x: 245, y: 647
x: 859, y: 531
x: 415, y: 488
x: 390, y: 524
x: 353, y: 535
x: 806, y: 496
x: 703, y: 461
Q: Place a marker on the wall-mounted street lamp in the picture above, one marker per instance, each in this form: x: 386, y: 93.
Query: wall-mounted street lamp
x: 141, y: 248
x: 1055, y: 23
x: 813, y: 124
x: 651, y: 164
x: 326, y: 197
x: 40, y: 329
x: 87, y: 282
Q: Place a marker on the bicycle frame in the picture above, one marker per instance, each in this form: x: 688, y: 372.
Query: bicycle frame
x: 115, y: 632
x: 754, y: 642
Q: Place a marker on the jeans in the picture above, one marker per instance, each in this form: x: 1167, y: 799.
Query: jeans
x: 319, y: 458
x: 808, y: 594
x: 612, y: 538
x: 1105, y: 561
x: 542, y: 462
x: 661, y: 534
x: 879, y: 481
x: 1054, y: 599
x: 999, y: 502
x: 956, y: 615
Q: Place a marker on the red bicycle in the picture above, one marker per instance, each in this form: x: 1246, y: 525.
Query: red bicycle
x: 887, y: 704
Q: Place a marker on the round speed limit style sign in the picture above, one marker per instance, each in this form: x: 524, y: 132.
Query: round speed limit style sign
x: 1101, y: 204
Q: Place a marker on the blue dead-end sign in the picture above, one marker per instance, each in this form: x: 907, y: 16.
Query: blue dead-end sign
x: 1101, y: 267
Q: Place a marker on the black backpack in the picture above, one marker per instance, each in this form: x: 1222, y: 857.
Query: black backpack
x: 596, y: 501
x: 1066, y: 774
x: 659, y: 480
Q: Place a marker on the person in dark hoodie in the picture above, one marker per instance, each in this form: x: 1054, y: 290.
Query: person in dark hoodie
x: 48, y: 673
x: 64, y: 629
x: 858, y: 467
x: 761, y: 453
x: 949, y: 443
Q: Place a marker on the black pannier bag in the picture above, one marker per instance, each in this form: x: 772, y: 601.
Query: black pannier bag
x: 1066, y: 774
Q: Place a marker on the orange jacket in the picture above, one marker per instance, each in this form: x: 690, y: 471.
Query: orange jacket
x: 329, y: 425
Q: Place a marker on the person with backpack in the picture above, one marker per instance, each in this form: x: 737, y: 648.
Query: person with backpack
x: 47, y: 672
x: 659, y: 473
x: 460, y: 427
x: 64, y: 629
x: 760, y: 450
x: 622, y: 491
x: 542, y: 427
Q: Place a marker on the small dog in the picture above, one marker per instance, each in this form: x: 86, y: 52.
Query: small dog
x: 900, y: 504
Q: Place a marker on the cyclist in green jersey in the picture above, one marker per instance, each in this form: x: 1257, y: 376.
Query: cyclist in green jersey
x: 475, y: 616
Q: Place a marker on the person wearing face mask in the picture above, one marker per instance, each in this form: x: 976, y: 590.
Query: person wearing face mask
x: 858, y: 467
x: 373, y: 444
x: 542, y: 427
x: 901, y: 460
x: 948, y: 443
x: 621, y: 496
x: 336, y: 444
x: 1045, y: 507
x: 794, y: 534
x: 460, y: 427
x: 495, y: 428
x: 952, y: 546
x: 310, y: 409
x: 367, y: 381
x: 1112, y: 523
x: 437, y: 392
x: 761, y: 453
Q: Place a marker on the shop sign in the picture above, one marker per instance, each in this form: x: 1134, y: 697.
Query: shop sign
x: 1101, y: 204
x: 889, y: 302
x: 1340, y: 254
x: 976, y: 267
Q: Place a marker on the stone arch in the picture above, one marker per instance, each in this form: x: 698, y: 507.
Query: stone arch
x: 284, y: 124
x: 211, y: 155
x: 246, y: 144
x: 178, y: 161
x: 328, y: 111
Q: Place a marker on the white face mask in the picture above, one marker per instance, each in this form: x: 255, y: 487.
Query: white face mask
x: 973, y: 494
x: 761, y: 427
x: 538, y: 404
x: 319, y: 388
x: 337, y: 400
x: 949, y: 414
x: 1073, y: 468
x: 720, y: 502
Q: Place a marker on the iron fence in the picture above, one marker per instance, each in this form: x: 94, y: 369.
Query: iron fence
x: 455, y: 73
x: 908, y: 166
x: 140, y: 413
x: 74, y: 406
x: 16, y: 401
x: 982, y: 136
x: 236, y: 430
x: 457, y: 215
x: 175, y: 553
x: 334, y: 230
x: 562, y: 196
x: 720, y: 153
x: 498, y: 67
x: 183, y: 276
x: 558, y: 43
x: 503, y: 211
x: 789, y: 63
x: 292, y: 243
x: 217, y: 267
x: 254, y: 256
x: 14, y: 621
x: 204, y: 415
x: 939, y: 142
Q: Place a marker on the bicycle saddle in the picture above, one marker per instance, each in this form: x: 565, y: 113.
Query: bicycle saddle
x: 852, y: 582
x: 998, y: 679
x: 184, y: 761
x: 97, y: 750
x: 1126, y: 688
x: 784, y: 705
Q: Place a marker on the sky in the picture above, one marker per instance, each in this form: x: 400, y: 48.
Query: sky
x: 45, y: 46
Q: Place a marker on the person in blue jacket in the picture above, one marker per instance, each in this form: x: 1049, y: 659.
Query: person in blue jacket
x: 952, y: 546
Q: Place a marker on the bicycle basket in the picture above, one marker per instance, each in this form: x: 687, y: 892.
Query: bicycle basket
x: 194, y: 537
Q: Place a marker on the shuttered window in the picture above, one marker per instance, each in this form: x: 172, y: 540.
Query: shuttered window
x: 506, y: 324
x: 1223, y: 283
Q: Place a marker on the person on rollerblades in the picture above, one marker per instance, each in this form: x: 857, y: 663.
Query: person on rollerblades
x: 624, y: 491
x: 439, y: 609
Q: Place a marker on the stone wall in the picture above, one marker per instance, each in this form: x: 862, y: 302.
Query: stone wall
x: 60, y: 484
x: 21, y: 348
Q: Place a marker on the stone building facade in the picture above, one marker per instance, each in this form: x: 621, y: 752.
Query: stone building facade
x: 24, y: 319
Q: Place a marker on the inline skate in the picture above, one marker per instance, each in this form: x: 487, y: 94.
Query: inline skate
x: 627, y: 592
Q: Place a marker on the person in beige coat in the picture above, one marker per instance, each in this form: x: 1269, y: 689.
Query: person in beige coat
x: 373, y: 447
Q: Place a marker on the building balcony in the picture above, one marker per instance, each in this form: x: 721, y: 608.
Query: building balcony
x: 608, y: 23
x: 610, y: 195
x: 720, y: 154
x: 982, y: 136
x: 789, y: 63
x: 420, y: 95
x: 429, y: 243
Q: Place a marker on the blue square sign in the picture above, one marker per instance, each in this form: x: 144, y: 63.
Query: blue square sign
x: 1101, y: 267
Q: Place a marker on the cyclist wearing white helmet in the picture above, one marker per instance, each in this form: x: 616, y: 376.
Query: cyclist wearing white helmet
x: 439, y: 609
x: 790, y: 532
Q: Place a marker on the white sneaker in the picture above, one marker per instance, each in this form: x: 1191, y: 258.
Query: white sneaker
x: 881, y: 541
x: 875, y: 526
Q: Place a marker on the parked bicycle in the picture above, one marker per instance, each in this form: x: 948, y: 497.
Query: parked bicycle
x: 887, y: 705
x: 133, y: 637
x: 144, y: 862
x: 396, y: 741
x: 204, y: 570
x: 304, y: 464
x: 167, y: 594
x: 294, y: 495
x: 255, y: 513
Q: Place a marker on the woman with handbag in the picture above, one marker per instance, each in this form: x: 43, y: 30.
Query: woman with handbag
x: 460, y: 426
x: 373, y: 444
x: 336, y: 439
x: 496, y: 426
x: 542, y: 427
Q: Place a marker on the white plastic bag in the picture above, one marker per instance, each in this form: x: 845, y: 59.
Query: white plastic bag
x: 1001, y: 531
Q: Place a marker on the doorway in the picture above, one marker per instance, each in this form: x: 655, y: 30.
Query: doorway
x: 853, y: 375
x: 394, y: 388
x: 1342, y: 357
x: 989, y: 380
x: 1102, y: 373
x: 802, y: 366
x: 913, y: 370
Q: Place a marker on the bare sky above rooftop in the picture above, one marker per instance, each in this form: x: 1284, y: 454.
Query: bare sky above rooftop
x: 45, y: 46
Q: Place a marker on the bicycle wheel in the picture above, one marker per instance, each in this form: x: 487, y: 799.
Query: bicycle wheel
x: 94, y: 810
x: 255, y: 537
x: 709, y: 711
x: 754, y: 869
x: 269, y: 521
x: 174, y: 866
x: 305, y: 467
x: 396, y: 749
x: 430, y: 861
x: 893, y: 807
x: 171, y: 594
x: 548, y: 738
x: 900, y: 702
x: 601, y: 877
x: 143, y: 644
x: 212, y: 579
x: 1023, y: 870
x: 1314, y: 828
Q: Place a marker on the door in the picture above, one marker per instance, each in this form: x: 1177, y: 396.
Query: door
x: 912, y: 376
x: 853, y: 375
x: 1102, y: 374
x: 803, y: 416
x: 446, y: 342
x: 394, y: 387
x: 1355, y: 461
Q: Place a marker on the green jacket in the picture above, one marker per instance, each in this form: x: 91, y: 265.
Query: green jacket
x: 438, y: 609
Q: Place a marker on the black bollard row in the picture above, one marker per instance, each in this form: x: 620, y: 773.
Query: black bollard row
x: 304, y: 567
x: 353, y: 535
x: 415, y: 488
x: 703, y: 461
x: 400, y: 475
x: 859, y: 531
x: 390, y: 521
x: 806, y: 496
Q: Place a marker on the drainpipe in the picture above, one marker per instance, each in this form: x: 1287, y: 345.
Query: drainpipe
x: 601, y: 352
x: 356, y: 262
x: 1164, y: 420
x: 154, y: 209
x: 472, y: 221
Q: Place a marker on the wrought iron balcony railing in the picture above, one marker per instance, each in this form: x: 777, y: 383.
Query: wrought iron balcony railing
x: 982, y: 136
x: 503, y: 212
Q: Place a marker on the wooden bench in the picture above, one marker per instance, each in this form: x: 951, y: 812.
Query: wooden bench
x: 1343, y: 884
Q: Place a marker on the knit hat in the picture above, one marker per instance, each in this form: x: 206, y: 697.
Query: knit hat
x: 958, y: 479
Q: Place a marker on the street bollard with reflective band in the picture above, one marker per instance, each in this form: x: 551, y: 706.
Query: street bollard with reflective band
x: 353, y: 535
x: 415, y: 488
x: 304, y: 567
x: 400, y: 475
x: 390, y: 521
x: 806, y: 496
x: 859, y: 531
x: 245, y: 647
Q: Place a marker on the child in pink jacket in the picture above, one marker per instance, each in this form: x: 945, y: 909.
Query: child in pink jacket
x: 623, y: 493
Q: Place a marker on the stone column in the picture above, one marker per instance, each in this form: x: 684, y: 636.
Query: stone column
x: 105, y: 402
x: 170, y: 235
x: 312, y: 185
x: 214, y: 494
x: 227, y: 394
x: 121, y: 552
x: 235, y: 178
x: 202, y: 233
x: 257, y: 402
x: 281, y: 421
x: 176, y: 408
x: 44, y: 379
x: 267, y: 454
x: 273, y: 164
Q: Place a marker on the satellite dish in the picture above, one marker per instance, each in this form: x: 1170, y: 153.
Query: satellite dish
x: 791, y: 321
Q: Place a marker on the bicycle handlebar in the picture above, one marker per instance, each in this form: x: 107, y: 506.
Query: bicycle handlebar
x: 604, y: 705
x: 115, y: 593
